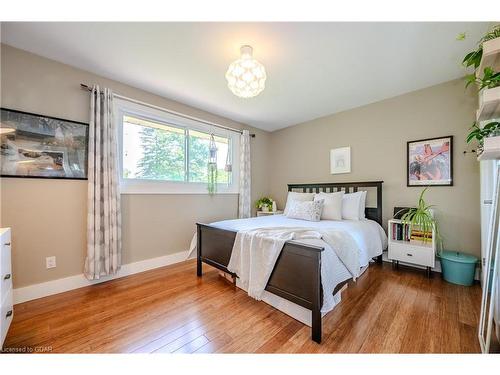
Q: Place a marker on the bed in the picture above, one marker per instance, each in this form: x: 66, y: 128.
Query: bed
x: 295, y: 285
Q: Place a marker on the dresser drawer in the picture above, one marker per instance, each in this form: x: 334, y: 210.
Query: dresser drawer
x: 5, y: 266
x: 418, y: 255
x: 6, y: 316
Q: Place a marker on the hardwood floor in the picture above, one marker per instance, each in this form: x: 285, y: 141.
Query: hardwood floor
x: 171, y: 310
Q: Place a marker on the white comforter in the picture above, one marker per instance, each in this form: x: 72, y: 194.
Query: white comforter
x: 355, y: 243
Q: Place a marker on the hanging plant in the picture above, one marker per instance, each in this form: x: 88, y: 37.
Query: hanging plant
x: 489, y: 80
x: 474, y: 58
x: 212, y: 166
x: 479, y: 134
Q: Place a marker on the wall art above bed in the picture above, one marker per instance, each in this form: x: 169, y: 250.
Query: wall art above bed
x: 430, y: 162
x: 39, y: 146
x: 340, y: 160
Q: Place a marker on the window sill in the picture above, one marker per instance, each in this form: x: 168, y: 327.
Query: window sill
x: 172, y: 188
x: 141, y: 192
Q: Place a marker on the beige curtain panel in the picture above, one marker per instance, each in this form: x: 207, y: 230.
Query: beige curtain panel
x: 104, y: 244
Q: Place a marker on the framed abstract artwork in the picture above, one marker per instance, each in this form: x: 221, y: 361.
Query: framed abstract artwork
x: 340, y: 160
x: 430, y: 162
x: 38, y: 146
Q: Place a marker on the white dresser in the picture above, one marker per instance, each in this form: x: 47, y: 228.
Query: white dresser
x: 6, y: 307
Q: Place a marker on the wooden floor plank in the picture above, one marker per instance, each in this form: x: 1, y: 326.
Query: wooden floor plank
x: 215, y: 344
x: 169, y: 309
x: 194, y: 345
x: 275, y: 342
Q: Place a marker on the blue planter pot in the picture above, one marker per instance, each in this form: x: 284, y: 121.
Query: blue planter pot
x: 458, y: 268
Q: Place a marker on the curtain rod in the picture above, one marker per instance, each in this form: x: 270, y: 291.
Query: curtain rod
x: 88, y: 88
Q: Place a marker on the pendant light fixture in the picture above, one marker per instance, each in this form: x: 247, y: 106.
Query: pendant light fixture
x: 246, y: 77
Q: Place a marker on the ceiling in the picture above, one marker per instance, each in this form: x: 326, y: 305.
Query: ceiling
x: 313, y: 69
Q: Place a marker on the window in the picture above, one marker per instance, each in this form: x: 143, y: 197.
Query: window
x: 153, y: 151
x: 163, y: 153
x: 199, y: 143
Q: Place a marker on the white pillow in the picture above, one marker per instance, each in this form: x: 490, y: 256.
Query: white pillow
x: 300, y: 197
x: 362, y: 206
x: 353, y: 206
x: 308, y: 210
x: 332, y: 208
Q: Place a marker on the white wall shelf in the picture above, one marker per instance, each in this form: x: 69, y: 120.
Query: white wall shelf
x: 491, y: 56
x: 491, y: 154
x: 489, y: 104
x: 491, y: 149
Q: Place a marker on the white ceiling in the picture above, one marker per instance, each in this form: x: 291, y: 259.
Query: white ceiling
x: 313, y: 69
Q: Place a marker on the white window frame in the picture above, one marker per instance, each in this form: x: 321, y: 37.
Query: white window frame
x: 143, y: 186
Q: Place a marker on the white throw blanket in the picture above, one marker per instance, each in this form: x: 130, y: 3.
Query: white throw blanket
x: 256, y: 251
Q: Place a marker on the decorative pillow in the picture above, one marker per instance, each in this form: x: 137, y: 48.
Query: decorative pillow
x: 309, y: 210
x: 332, y: 208
x: 353, y: 206
x: 300, y: 197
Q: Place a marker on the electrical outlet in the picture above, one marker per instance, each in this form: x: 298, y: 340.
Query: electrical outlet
x: 50, y: 262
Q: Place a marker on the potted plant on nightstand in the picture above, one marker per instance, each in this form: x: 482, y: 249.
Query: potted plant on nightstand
x: 264, y: 204
x: 421, y: 217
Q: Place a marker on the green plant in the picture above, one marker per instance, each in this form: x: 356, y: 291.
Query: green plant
x: 489, y: 80
x: 212, y: 178
x: 421, y: 217
x: 264, y: 202
x: 212, y: 166
x: 479, y: 134
x: 474, y: 58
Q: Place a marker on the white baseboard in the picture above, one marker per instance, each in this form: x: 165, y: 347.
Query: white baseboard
x: 49, y: 288
x: 437, y: 268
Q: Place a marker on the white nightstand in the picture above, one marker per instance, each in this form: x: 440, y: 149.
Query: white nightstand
x: 268, y: 213
x: 412, y: 252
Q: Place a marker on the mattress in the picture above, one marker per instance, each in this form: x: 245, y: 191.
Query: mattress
x: 368, y: 235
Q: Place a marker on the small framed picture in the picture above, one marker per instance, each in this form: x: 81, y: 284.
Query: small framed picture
x: 340, y: 160
x: 430, y: 162
x: 38, y: 146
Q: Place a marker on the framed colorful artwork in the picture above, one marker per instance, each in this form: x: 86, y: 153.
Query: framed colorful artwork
x: 430, y: 162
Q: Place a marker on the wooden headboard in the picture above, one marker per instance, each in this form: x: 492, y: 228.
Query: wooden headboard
x: 372, y: 213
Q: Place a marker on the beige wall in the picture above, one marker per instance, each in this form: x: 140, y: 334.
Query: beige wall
x: 377, y: 134
x: 48, y: 217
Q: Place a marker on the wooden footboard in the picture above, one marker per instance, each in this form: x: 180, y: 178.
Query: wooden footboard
x: 296, y: 275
